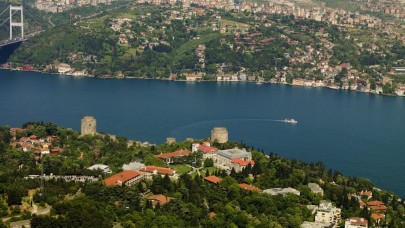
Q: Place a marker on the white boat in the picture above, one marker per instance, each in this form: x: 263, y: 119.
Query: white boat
x: 290, y: 121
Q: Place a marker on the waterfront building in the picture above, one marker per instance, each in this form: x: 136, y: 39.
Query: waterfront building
x: 88, y: 126
x: 170, y: 140
x: 219, y: 135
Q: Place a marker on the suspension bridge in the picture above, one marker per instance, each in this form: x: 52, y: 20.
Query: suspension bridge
x: 18, y: 22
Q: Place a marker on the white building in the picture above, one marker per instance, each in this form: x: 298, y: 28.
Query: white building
x: 133, y: 166
x: 282, y: 191
x: 356, y: 222
x: 327, y: 213
x: 315, y: 188
x: 315, y: 225
x: 103, y: 168
x: 224, y: 158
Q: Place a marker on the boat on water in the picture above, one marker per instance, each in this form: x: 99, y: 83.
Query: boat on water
x: 290, y: 121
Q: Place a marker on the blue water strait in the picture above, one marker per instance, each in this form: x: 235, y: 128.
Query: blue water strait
x: 357, y: 133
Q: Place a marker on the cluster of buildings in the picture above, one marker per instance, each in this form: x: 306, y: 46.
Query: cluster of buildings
x: 38, y: 146
x: 63, y: 5
x: 395, y: 8
x: 334, y: 16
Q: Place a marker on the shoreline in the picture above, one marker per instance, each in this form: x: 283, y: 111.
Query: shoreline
x: 198, y: 81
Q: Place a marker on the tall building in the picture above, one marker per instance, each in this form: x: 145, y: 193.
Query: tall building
x: 88, y: 126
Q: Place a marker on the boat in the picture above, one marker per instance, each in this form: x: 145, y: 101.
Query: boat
x: 290, y: 121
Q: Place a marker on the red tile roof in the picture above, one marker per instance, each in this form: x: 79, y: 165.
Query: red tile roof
x: 378, y: 208
x: 375, y: 203
x: 159, y: 170
x: 242, y: 162
x: 377, y: 216
x: 207, y: 149
x: 213, y: 179
x: 250, y: 187
x: 120, y: 178
x: 178, y: 153
x: 33, y: 137
x: 212, y: 214
x: 356, y: 221
x: 161, y: 199
x: 366, y: 193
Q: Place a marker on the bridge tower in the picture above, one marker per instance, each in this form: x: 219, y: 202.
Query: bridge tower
x: 16, y: 24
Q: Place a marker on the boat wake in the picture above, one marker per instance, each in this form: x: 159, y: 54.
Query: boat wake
x: 222, y: 122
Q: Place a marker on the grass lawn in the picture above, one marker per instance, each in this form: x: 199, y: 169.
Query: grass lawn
x: 210, y: 169
x: 180, y: 169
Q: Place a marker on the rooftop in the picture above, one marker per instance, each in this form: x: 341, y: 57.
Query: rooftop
x: 120, y: 178
x: 242, y: 162
x: 161, y: 199
x: 356, y: 221
x: 207, y: 149
x: 282, y: 191
x: 213, y: 179
x: 101, y: 167
x: 235, y: 153
x: 250, y: 187
x: 133, y: 166
x: 159, y: 170
x: 377, y: 216
x: 307, y: 224
x: 178, y: 153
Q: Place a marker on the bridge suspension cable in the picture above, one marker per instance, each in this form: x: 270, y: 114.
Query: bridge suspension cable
x: 8, y: 18
x: 5, y: 10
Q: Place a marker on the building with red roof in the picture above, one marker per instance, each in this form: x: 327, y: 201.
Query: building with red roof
x: 168, y: 157
x: 376, y: 205
x: 377, y: 217
x: 127, y: 177
x: 159, y: 199
x: 238, y: 164
x: 155, y: 170
x: 250, y: 187
x: 367, y: 194
x: 213, y: 179
x: 356, y: 222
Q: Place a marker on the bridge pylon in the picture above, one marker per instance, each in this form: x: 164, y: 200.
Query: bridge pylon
x: 16, y: 24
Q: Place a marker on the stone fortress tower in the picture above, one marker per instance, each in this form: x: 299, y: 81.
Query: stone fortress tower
x: 170, y: 140
x: 88, y: 126
x: 219, y: 134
